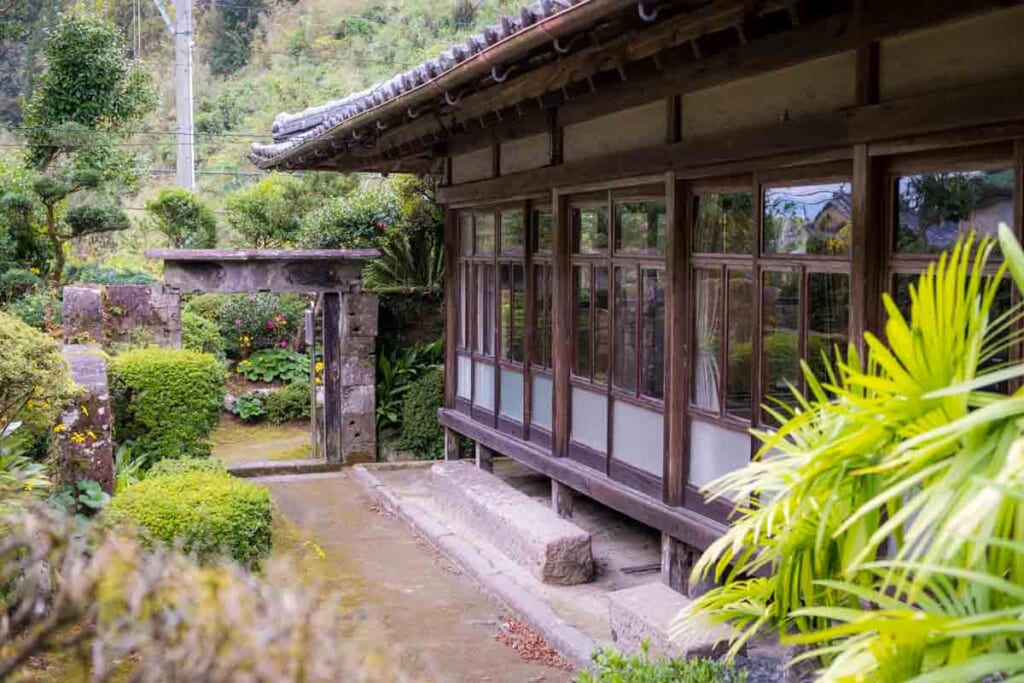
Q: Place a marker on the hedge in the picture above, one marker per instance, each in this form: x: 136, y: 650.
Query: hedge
x: 171, y: 467
x: 421, y: 432
x: 211, y: 514
x: 289, y: 403
x: 166, y: 401
x: 200, y: 334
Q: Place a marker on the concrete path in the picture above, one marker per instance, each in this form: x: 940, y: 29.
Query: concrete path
x: 421, y: 614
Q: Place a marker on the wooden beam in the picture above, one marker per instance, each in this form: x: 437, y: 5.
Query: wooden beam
x: 332, y: 377
x: 451, y: 298
x: 868, y: 88
x: 677, y: 343
x: 833, y: 133
x: 561, y: 328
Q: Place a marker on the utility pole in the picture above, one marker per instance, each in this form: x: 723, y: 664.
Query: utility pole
x: 183, y: 93
x: 181, y: 29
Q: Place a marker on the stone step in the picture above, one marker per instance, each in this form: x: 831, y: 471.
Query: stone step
x: 263, y: 468
x: 646, y: 612
x: 555, y: 550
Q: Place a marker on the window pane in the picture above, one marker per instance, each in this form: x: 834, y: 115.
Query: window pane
x: 512, y: 231
x: 624, y: 375
x: 602, y: 331
x: 739, y: 400
x: 460, y: 273
x: 542, y: 316
x: 581, y: 303
x: 640, y: 227
x: 724, y: 223
x: 466, y: 234
x: 513, y: 312
x: 543, y: 230
x: 484, y: 233
x: 652, y: 334
x: 590, y: 229
x: 708, y: 333
x: 807, y: 219
x: 485, y: 309
x: 828, y: 311
x: 933, y: 209
x: 780, y: 341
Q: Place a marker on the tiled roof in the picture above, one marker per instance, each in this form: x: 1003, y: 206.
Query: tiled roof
x: 292, y: 130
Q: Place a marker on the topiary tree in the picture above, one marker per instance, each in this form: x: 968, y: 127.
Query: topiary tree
x: 184, y: 219
x: 354, y: 222
x: 200, y: 334
x: 421, y: 432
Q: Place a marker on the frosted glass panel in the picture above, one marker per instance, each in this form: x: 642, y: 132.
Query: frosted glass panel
x: 638, y: 437
x: 483, y: 395
x: 540, y: 411
x: 715, y: 451
x: 465, y: 386
x: 590, y: 419
x: 512, y: 394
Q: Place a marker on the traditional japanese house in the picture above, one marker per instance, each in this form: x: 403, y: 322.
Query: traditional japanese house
x: 654, y: 210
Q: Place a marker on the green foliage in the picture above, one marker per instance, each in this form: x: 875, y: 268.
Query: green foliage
x: 354, y: 222
x: 211, y: 514
x: 612, y: 666
x: 92, y: 219
x: 270, y: 365
x: 22, y: 478
x: 18, y: 282
x: 99, y: 274
x: 184, y: 219
x: 267, y: 214
x: 412, y: 252
x: 34, y: 380
x: 421, y: 431
x: 200, y: 334
x: 175, y: 466
x: 396, y: 371
x: 232, y: 27
x: 907, y: 455
x: 249, y: 407
x: 166, y: 401
x: 128, y: 469
x: 249, y: 322
x: 289, y: 403
x: 206, y: 306
x: 38, y: 309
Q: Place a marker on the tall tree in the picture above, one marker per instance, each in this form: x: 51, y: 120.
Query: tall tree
x: 78, y: 118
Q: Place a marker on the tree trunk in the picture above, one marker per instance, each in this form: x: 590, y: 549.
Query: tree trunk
x: 58, y: 246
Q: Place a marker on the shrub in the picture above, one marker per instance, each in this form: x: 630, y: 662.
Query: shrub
x: 249, y: 407
x: 34, y: 380
x: 184, y: 219
x: 398, y: 369
x: 94, y: 273
x: 166, y: 401
x: 250, y: 322
x: 289, y: 403
x: 174, y: 466
x: 421, y: 432
x: 200, y: 334
x: 205, y: 306
x: 270, y: 365
x: 353, y: 222
x: 37, y: 309
x: 18, y: 282
x: 612, y: 666
x: 209, y: 513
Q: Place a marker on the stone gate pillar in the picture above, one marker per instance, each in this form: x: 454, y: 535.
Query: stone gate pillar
x: 358, y: 376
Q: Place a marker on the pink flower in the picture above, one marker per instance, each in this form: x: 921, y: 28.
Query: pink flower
x: 283, y: 344
x: 252, y: 297
x: 270, y: 324
x: 238, y: 321
x: 382, y: 225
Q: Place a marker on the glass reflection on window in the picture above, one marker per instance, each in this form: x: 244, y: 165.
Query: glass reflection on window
x: 624, y: 375
x: 808, y: 219
x: 513, y: 312
x: 543, y: 231
x: 512, y: 232
x: 739, y: 399
x: 708, y: 332
x: 652, y: 333
x: 485, y: 309
x: 466, y: 234
x: 484, y: 242
x: 640, y: 227
x: 780, y: 337
x: 582, y: 303
x: 590, y: 229
x: 723, y: 223
x: 602, y: 327
x: 828, y: 311
x: 933, y: 209
x: 541, y: 355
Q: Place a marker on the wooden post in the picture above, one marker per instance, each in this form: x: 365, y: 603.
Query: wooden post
x: 867, y: 247
x: 310, y: 340
x: 562, y: 499
x: 675, y: 563
x: 484, y: 457
x: 332, y: 376
x: 561, y: 325
x: 452, y: 447
x: 676, y: 456
x: 451, y: 302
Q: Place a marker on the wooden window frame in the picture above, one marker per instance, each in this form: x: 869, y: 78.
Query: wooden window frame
x: 544, y: 262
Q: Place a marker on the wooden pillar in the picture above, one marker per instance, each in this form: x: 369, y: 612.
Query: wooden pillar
x: 452, y: 445
x: 484, y: 457
x: 677, y: 345
x: 561, y: 499
x: 310, y: 340
x: 867, y: 248
x: 451, y: 303
x: 332, y: 377
x: 674, y: 563
x: 561, y: 325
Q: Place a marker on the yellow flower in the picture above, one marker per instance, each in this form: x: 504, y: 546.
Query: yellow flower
x: 29, y: 486
x: 85, y: 411
x: 78, y: 437
x: 59, y: 428
x: 34, y: 271
x: 91, y: 434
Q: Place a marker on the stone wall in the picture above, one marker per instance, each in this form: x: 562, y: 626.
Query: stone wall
x: 121, y: 314
x: 358, y: 377
x: 83, y: 439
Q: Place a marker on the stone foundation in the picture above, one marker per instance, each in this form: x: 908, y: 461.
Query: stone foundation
x: 83, y: 440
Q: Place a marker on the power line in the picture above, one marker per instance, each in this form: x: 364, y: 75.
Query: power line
x: 253, y: 136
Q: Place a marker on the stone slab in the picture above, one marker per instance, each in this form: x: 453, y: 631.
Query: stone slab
x: 83, y: 443
x: 553, y: 549
x: 264, y: 468
x: 82, y: 312
x: 646, y: 612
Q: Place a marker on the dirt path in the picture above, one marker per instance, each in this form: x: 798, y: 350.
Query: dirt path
x: 235, y: 442
x: 418, y: 611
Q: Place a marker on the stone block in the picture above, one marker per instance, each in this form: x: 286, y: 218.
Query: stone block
x: 646, y: 613
x: 357, y: 371
x: 359, y: 400
x: 358, y: 427
x: 82, y: 311
x: 553, y: 549
x: 133, y: 310
x: 83, y: 440
x: 359, y: 315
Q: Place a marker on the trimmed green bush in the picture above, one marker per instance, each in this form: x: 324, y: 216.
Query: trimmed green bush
x: 37, y: 309
x: 211, y: 514
x: 173, y: 466
x: 421, y: 432
x: 166, y: 401
x: 205, y: 306
x: 200, y: 334
x: 612, y: 666
x: 289, y: 403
